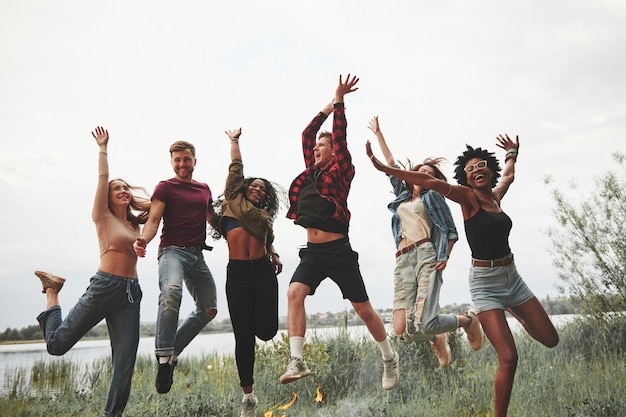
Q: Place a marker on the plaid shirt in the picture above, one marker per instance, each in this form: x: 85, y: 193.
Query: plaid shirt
x: 333, y: 183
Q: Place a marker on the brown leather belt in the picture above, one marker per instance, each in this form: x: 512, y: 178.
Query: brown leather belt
x: 411, y: 246
x: 508, y: 260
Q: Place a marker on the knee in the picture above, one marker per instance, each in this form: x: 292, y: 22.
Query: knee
x: 266, y: 336
x: 55, y: 350
x: 552, y: 341
x: 171, y: 297
x: 430, y: 327
x: 399, y: 328
x: 211, y: 313
x: 295, y: 295
x: 508, y: 361
x: 366, y: 313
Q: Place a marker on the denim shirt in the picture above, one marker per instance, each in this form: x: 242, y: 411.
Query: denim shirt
x: 443, y: 229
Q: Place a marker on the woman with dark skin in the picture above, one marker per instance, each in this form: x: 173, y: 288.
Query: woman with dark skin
x: 248, y: 208
x: 495, y: 285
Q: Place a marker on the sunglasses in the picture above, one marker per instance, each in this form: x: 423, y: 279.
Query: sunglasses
x: 479, y: 164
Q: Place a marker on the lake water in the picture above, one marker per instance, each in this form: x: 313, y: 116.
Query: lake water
x: 85, y: 352
x: 24, y: 355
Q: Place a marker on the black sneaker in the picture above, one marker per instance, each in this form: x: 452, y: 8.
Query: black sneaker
x: 165, y: 377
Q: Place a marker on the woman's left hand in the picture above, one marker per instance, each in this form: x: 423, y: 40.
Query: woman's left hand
x: 278, y: 265
x: 507, y: 143
x: 440, y: 266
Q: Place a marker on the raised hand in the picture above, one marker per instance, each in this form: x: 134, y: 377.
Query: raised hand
x: 345, y: 87
x: 233, y: 134
x: 101, y: 135
x: 368, y: 150
x: 507, y: 143
x: 374, y: 126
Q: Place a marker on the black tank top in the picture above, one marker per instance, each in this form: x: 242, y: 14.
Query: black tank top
x: 488, y: 234
x: 315, y: 211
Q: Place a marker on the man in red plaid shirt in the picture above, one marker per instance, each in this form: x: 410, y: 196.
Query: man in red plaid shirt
x: 319, y: 203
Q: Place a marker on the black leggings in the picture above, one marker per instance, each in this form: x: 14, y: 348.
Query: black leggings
x: 252, y: 294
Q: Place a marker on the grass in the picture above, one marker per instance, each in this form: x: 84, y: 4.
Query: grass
x: 577, y: 378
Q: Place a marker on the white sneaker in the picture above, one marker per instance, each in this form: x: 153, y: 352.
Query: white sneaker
x: 248, y: 406
x: 296, y: 369
x: 391, y: 373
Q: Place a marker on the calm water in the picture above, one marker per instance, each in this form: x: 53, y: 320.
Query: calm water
x: 85, y: 352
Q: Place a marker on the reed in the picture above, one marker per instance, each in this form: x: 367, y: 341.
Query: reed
x: 346, y: 371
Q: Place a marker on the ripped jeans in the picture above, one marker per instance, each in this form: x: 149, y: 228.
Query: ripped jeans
x: 109, y: 297
x: 178, y: 264
x: 416, y: 288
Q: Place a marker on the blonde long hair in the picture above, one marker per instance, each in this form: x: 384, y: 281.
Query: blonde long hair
x: 139, y: 207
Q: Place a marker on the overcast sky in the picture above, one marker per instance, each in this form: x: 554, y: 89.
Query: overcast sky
x: 438, y: 75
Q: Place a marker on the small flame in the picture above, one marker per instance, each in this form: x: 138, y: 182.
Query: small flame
x: 270, y: 413
x: 318, y: 396
x: 290, y: 403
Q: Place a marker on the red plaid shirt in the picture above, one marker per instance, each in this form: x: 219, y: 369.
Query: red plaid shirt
x: 333, y: 183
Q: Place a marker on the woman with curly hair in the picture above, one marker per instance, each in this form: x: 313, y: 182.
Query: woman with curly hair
x: 113, y: 293
x: 424, y: 233
x: 495, y: 285
x: 247, y: 210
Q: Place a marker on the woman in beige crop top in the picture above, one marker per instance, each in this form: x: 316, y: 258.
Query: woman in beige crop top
x: 113, y: 293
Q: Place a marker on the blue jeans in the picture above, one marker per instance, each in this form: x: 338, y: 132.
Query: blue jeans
x: 178, y: 264
x: 417, y: 285
x: 498, y: 287
x: 117, y: 300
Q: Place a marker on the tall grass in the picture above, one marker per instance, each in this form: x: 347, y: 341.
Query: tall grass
x: 583, y: 376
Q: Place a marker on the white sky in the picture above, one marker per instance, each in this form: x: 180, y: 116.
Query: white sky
x: 438, y: 74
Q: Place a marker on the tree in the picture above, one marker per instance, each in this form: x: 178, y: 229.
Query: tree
x: 590, y: 244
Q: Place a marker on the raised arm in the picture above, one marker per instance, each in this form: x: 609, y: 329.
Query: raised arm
x: 374, y: 126
x: 460, y: 194
x: 508, y: 174
x: 235, y: 151
x: 345, y: 87
x: 309, y: 133
x: 101, y: 200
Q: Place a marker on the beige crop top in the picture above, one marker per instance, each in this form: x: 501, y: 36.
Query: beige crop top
x: 113, y: 234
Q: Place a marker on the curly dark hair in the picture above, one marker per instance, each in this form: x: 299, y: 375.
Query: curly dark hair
x: 271, y: 202
x: 275, y: 197
x: 470, y: 153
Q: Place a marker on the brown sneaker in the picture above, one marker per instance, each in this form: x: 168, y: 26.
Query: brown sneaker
x: 475, y: 333
x: 442, y: 349
x: 49, y: 280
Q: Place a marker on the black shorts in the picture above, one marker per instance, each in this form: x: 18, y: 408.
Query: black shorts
x: 335, y: 260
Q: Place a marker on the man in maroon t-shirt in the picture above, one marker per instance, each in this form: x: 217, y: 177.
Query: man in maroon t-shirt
x: 185, y: 205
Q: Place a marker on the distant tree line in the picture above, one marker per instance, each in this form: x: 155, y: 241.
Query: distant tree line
x: 553, y: 306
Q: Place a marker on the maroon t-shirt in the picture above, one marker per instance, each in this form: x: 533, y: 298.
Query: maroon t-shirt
x: 186, y: 208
